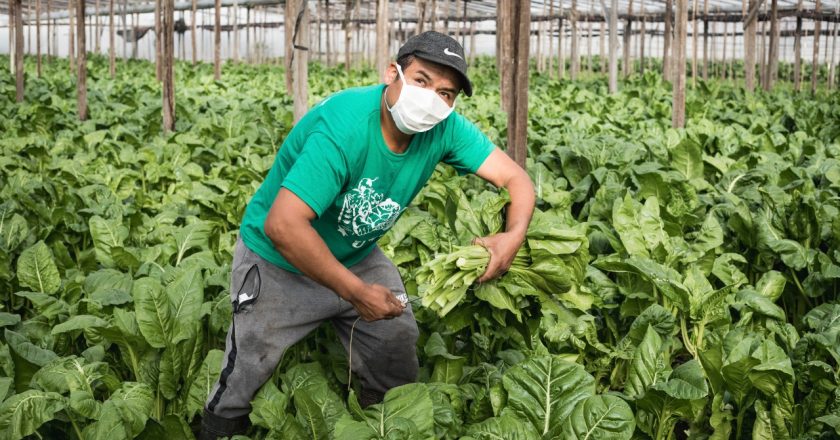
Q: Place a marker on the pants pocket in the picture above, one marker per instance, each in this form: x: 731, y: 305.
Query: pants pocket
x: 248, y: 291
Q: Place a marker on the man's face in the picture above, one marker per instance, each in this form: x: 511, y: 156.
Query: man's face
x: 426, y: 74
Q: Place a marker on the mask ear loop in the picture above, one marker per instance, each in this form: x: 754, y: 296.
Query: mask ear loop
x: 402, y: 78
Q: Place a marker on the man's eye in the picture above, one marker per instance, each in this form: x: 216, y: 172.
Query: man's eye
x: 445, y: 95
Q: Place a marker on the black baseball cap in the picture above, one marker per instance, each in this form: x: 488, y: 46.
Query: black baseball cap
x: 439, y: 48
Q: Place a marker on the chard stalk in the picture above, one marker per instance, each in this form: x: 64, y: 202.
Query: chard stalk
x: 686, y: 340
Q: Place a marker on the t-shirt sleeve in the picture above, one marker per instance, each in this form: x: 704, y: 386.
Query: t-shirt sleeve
x: 318, y: 173
x: 466, y: 147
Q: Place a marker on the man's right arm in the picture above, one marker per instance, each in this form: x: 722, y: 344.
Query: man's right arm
x: 289, y: 226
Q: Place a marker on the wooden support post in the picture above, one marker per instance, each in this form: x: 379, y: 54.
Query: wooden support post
x: 831, y: 65
x: 319, y: 12
x: 125, y: 28
x: 825, y: 51
x: 464, y: 17
x: 602, y: 53
x: 762, y: 51
x: 81, y: 75
x: 135, y: 20
x: 772, y: 64
x: 247, y: 34
x: 158, y: 50
x: 749, y: 49
x: 382, y: 33
x: 642, y: 37
x: 329, y: 32
x: 16, y: 13
x: 628, y: 31
x: 518, y: 41
x: 446, y: 12
x: 183, y: 54
x: 421, y: 15
x: 360, y: 33
x: 723, y: 71
x: 694, y: 34
x: 434, y: 15
x: 38, y: 35
x: 300, y: 60
x: 713, y: 55
x: 815, y: 65
x: 348, y: 36
x: 589, y: 43
x: 732, y: 73
x: 112, y: 55
x: 550, y: 66
x: 472, y: 42
x: 168, y: 43
x: 217, y: 41
x: 574, y: 67
x: 678, y: 110
x: 561, y: 56
x: 613, y: 17
x: 12, y: 40
x: 71, y: 43
x: 705, y: 40
x: 505, y: 54
x: 666, y: 47
x: 539, y: 56
x: 49, y: 31
x: 192, y: 31
x: 97, y: 30
x: 235, y: 31
x: 28, y: 40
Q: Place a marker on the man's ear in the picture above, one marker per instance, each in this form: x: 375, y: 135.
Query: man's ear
x: 391, y: 73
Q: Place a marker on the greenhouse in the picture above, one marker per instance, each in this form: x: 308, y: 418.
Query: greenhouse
x: 427, y: 219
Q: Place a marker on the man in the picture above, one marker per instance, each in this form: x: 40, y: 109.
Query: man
x: 307, y: 248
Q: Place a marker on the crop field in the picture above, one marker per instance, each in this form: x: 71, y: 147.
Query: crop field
x: 673, y: 284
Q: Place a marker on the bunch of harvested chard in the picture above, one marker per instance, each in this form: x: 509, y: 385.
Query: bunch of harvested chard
x: 444, y: 281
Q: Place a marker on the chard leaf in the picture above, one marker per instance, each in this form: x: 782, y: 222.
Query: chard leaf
x: 545, y: 390
x: 27, y: 350
x: 106, y: 234
x: 124, y: 415
x: 23, y: 413
x: 406, y: 412
x: 600, y: 417
x: 771, y: 285
x: 154, y: 312
x: 79, y: 322
x: 192, y: 236
x: 36, y: 269
x: 687, y: 158
x: 186, y: 294
x: 627, y: 221
x: 268, y: 409
x: 687, y: 382
x: 82, y: 402
x: 507, y: 426
x: 647, y: 366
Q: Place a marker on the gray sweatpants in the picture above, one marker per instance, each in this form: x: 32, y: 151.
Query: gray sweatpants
x: 275, y: 308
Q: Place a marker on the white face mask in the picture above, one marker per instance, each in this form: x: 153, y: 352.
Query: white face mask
x: 417, y: 109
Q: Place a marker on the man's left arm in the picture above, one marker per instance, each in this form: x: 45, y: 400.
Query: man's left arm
x: 500, y: 170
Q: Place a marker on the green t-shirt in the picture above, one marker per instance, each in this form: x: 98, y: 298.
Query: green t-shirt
x: 336, y: 161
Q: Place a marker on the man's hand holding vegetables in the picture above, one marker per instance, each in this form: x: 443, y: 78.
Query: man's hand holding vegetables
x: 307, y: 248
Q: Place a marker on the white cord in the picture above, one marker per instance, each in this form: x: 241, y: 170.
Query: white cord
x: 350, y: 357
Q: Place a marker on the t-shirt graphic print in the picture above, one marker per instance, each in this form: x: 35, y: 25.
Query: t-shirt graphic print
x: 364, y: 212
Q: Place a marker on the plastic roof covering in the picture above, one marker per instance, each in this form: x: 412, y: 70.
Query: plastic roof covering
x: 475, y: 8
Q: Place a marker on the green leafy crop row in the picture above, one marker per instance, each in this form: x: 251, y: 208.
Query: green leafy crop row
x: 673, y: 283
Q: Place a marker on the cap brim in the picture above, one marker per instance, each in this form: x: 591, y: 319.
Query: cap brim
x: 465, y: 82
